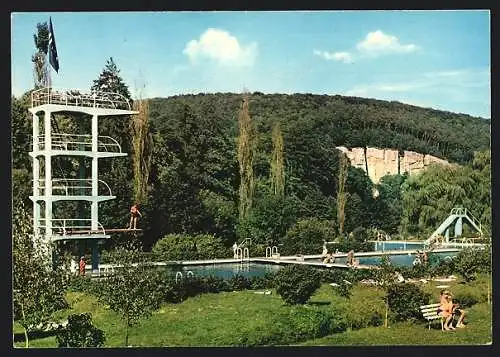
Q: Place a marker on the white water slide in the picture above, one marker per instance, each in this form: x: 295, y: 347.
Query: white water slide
x: 456, y: 217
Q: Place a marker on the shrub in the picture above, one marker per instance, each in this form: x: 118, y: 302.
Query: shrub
x: 345, y: 245
x: 307, y: 236
x: 191, y: 286
x: 294, y: 325
x: 210, y: 247
x: 308, y: 323
x: 257, y: 250
x: 441, y: 266
x: 262, y: 282
x: 470, y: 261
x: 356, y: 275
x: 364, y: 311
x: 84, y: 285
x: 405, y: 300
x: 187, y: 247
x: 238, y: 282
x: 215, y: 284
x: 296, y: 283
x: 344, y: 289
x: 110, y: 256
x: 269, y: 218
x: 175, y: 247
x: 80, y: 333
x: 360, y: 234
x: 167, y: 289
x: 465, y: 299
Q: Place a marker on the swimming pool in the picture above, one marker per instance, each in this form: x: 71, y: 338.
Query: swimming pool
x: 396, y: 259
x: 228, y: 270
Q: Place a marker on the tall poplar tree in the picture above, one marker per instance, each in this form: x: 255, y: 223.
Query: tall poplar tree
x: 277, y: 162
x: 39, y: 58
x: 246, y: 153
x: 343, y: 167
x: 141, y: 148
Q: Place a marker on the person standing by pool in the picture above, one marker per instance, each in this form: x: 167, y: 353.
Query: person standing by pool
x: 350, y: 258
x: 134, y: 213
x: 82, y: 266
x: 325, y: 250
x: 425, y: 257
x: 235, y: 250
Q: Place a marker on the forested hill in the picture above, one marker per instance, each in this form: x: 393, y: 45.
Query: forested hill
x: 339, y: 120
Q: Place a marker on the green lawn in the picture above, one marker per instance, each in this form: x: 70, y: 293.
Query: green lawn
x: 477, y: 332
x: 225, y: 319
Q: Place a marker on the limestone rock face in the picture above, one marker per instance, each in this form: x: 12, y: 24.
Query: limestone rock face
x: 413, y: 162
x: 382, y: 162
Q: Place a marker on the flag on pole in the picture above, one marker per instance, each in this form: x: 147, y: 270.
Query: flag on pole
x: 53, y: 59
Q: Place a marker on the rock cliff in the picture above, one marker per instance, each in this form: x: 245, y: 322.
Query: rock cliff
x: 381, y: 162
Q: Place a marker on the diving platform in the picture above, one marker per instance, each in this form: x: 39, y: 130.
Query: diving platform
x: 106, y: 230
x: 82, y: 101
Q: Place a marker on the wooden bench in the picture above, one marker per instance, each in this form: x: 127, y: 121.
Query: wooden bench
x: 429, y: 312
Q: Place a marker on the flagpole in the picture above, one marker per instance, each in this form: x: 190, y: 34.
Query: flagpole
x: 48, y: 63
x: 48, y: 78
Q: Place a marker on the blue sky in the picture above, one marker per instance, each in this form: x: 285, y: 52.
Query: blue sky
x: 438, y: 59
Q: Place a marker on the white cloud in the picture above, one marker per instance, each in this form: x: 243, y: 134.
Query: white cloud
x: 345, y: 57
x: 222, y: 47
x: 378, y: 42
x: 374, y: 44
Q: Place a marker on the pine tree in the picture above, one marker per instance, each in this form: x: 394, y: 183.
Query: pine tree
x: 109, y: 80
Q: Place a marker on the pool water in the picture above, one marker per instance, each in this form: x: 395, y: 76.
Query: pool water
x: 248, y: 269
x: 228, y: 270
x: 397, y: 259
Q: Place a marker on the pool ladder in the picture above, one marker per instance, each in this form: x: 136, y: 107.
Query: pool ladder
x: 272, y: 252
x: 179, y: 274
x: 243, y: 254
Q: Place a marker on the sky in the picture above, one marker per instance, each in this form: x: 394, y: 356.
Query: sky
x: 437, y: 59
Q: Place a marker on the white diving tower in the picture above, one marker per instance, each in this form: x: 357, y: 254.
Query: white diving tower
x: 49, y: 188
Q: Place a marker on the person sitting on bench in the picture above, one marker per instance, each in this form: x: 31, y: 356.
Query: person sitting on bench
x: 445, y: 310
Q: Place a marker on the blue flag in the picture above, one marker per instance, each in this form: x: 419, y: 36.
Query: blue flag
x: 53, y: 59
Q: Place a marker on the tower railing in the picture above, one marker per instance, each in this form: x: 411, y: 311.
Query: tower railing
x: 73, y: 187
x: 79, y: 142
x: 79, y: 98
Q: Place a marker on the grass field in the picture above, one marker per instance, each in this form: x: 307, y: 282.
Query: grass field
x: 225, y: 319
